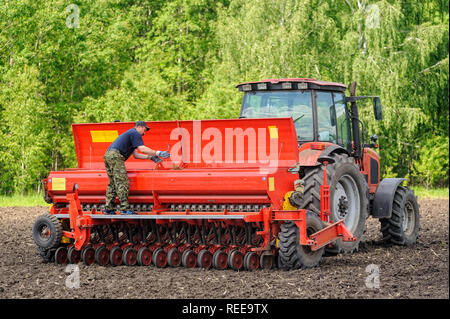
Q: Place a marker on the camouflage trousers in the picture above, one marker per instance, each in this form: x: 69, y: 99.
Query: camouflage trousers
x: 118, y: 180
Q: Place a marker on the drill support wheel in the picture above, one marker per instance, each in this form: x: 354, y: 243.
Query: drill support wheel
x: 236, y: 259
x: 159, y: 258
x: 174, y: 257
x: 251, y: 261
x: 47, y: 231
x: 266, y: 261
x: 74, y: 256
x: 204, y: 259
x: 220, y: 260
x: 189, y: 258
x: 144, y: 256
x: 61, y: 256
x: 102, y: 255
x: 88, y: 255
x: 116, y: 256
x: 129, y: 256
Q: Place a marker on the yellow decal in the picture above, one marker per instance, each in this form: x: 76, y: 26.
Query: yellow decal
x: 286, y: 203
x: 273, y: 132
x: 271, y: 184
x: 58, y: 184
x: 104, y: 136
x: 65, y: 240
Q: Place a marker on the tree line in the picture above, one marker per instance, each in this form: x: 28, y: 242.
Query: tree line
x: 64, y: 62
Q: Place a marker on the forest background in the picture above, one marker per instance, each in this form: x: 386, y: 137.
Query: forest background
x: 67, y: 61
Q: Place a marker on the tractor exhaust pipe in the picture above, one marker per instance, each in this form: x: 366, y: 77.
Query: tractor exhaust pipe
x: 355, y: 123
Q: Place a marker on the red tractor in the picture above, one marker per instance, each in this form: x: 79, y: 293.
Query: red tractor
x: 221, y: 201
x: 328, y: 125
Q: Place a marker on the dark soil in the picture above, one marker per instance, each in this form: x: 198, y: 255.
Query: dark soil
x: 419, y: 271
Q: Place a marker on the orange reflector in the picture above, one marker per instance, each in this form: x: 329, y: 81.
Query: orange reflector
x: 315, y: 146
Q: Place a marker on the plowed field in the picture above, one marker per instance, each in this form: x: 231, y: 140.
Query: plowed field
x: 419, y: 271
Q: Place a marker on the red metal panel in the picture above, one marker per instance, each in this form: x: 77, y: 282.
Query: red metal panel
x: 250, y: 186
x: 236, y: 143
x: 367, y: 156
x: 310, y: 152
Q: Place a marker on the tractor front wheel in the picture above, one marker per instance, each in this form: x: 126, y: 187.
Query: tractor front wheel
x: 403, y: 226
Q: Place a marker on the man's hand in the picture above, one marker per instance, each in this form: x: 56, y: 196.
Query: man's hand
x: 156, y: 159
x: 163, y: 154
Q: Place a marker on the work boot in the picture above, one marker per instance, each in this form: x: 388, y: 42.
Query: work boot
x: 127, y: 212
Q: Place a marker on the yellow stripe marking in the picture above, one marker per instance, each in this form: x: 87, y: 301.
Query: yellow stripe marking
x: 271, y: 184
x: 104, y: 136
x: 58, y: 184
x: 273, y: 132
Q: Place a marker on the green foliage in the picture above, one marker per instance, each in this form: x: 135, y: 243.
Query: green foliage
x: 432, y: 165
x: 24, y: 139
x: 181, y: 59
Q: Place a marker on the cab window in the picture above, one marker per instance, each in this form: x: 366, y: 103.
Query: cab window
x: 295, y: 104
x: 343, y: 124
x: 326, y: 117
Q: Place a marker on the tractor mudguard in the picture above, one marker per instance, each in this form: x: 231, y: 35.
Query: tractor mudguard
x: 334, y: 149
x: 384, y: 197
x: 309, y: 156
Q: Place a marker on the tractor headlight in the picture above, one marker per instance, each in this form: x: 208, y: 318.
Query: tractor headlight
x: 286, y: 85
x: 302, y: 86
x: 262, y: 86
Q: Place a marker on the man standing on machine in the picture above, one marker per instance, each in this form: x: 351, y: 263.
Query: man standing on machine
x: 118, y: 152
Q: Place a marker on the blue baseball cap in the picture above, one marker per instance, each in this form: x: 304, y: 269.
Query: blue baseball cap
x: 142, y: 123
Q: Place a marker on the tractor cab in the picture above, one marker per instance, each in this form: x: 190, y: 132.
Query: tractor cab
x: 319, y: 109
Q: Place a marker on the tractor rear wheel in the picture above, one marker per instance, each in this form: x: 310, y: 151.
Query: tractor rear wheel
x: 404, y: 225
x: 291, y: 254
x: 349, y: 195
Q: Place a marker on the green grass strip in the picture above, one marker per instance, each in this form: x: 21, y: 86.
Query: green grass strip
x: 22, y: 200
